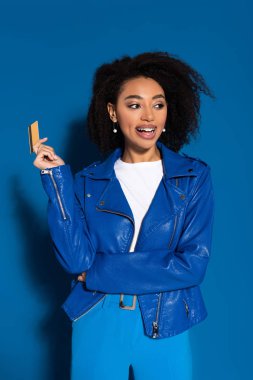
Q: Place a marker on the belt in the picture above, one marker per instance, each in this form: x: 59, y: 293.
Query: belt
x: 127, y: 307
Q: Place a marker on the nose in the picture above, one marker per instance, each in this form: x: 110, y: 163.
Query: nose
x: 147, y: 114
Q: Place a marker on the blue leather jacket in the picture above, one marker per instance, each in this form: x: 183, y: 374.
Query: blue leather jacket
x: 92, y: 226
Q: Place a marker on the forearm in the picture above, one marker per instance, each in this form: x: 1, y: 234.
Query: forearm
x: 145, y: 272
x: 67, y: 224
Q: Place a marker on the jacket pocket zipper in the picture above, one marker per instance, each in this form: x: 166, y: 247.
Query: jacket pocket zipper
x: 47, y: 171
x: 155, y: 325
x: 186, y: 308
x: 87, y: 311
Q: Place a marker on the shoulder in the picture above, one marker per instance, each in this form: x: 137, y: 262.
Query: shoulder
x: 195, y: 160
x: 87, y: 168
x: 179, y: 162
x: 204, y: 179
x: 199, y: 164
x: 79, y: 177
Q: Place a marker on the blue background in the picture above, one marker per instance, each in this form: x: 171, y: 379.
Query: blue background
x: 49, y: 51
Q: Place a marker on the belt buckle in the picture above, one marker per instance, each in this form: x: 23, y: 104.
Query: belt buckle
x: 127, y: 307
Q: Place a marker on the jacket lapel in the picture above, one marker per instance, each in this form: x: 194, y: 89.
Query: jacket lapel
x: 113, y: 200
x: 167, y: 202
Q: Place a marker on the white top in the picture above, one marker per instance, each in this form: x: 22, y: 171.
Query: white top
x: 139, y: 182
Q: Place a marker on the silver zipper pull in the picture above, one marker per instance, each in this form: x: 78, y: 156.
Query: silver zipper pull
x: 155, y: 330
x: 45, y: 171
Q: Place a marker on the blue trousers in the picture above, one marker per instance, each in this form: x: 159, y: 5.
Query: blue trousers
x: 107, y: 340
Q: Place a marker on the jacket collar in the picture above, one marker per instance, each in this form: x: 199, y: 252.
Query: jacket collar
x: 174, y: 165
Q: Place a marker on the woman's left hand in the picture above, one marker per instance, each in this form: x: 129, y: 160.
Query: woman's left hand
x: 82, y: 277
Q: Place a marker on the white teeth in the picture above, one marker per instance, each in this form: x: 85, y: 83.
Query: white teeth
x: 146, y: 129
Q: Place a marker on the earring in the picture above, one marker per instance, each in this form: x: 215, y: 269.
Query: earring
x: 164, y: 130
x: 114, y: 127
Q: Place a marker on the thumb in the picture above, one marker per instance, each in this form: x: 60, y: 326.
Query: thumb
x: 38, y: 143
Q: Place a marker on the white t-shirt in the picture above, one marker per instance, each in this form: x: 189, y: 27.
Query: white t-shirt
x: 139, y: 182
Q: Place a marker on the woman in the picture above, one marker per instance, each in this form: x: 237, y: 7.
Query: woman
x: 135, y: 228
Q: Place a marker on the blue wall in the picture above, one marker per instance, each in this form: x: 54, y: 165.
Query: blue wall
x: 49, y: 51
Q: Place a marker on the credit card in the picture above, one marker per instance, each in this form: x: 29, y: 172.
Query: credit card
x: 33, y: 135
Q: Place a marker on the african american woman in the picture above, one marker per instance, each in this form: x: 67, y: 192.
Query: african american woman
x: 134, y: 228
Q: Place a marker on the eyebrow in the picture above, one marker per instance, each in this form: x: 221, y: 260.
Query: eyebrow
x: 140, y: 97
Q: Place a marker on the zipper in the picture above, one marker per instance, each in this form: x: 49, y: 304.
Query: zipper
x: 117, y: 213
x: 186, y: 308
x: 127, y: 216
x: 80, y: 316
x: 174, y: 230
x: 155, y: 329
x: 48, y: 171
x: 155, y: 325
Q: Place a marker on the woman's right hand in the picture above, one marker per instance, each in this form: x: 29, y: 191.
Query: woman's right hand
x: 45, y: 156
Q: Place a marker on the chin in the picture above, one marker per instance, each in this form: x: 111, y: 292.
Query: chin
x: 145, y: 145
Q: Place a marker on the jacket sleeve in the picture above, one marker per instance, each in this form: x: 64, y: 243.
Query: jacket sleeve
x: 66, y: 220
x: 143, y: 272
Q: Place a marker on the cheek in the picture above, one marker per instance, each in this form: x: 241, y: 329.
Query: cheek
x: 127, y: 118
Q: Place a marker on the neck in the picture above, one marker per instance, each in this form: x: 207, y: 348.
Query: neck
x: 144, y: 155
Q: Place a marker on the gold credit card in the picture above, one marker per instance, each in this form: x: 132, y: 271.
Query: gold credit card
x: 33, y: 135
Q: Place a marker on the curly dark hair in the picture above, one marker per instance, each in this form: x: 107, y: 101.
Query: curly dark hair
x: 182, y: 86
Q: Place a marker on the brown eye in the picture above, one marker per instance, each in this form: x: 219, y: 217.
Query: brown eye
x: 159, y: 105
x: 133, y: 106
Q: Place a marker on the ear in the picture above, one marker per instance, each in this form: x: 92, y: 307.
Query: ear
x: 112, y: 112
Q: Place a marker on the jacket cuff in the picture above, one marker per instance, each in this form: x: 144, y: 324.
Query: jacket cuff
x: 61, y: 174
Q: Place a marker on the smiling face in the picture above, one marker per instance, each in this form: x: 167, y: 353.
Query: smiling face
x: 141, y: 112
